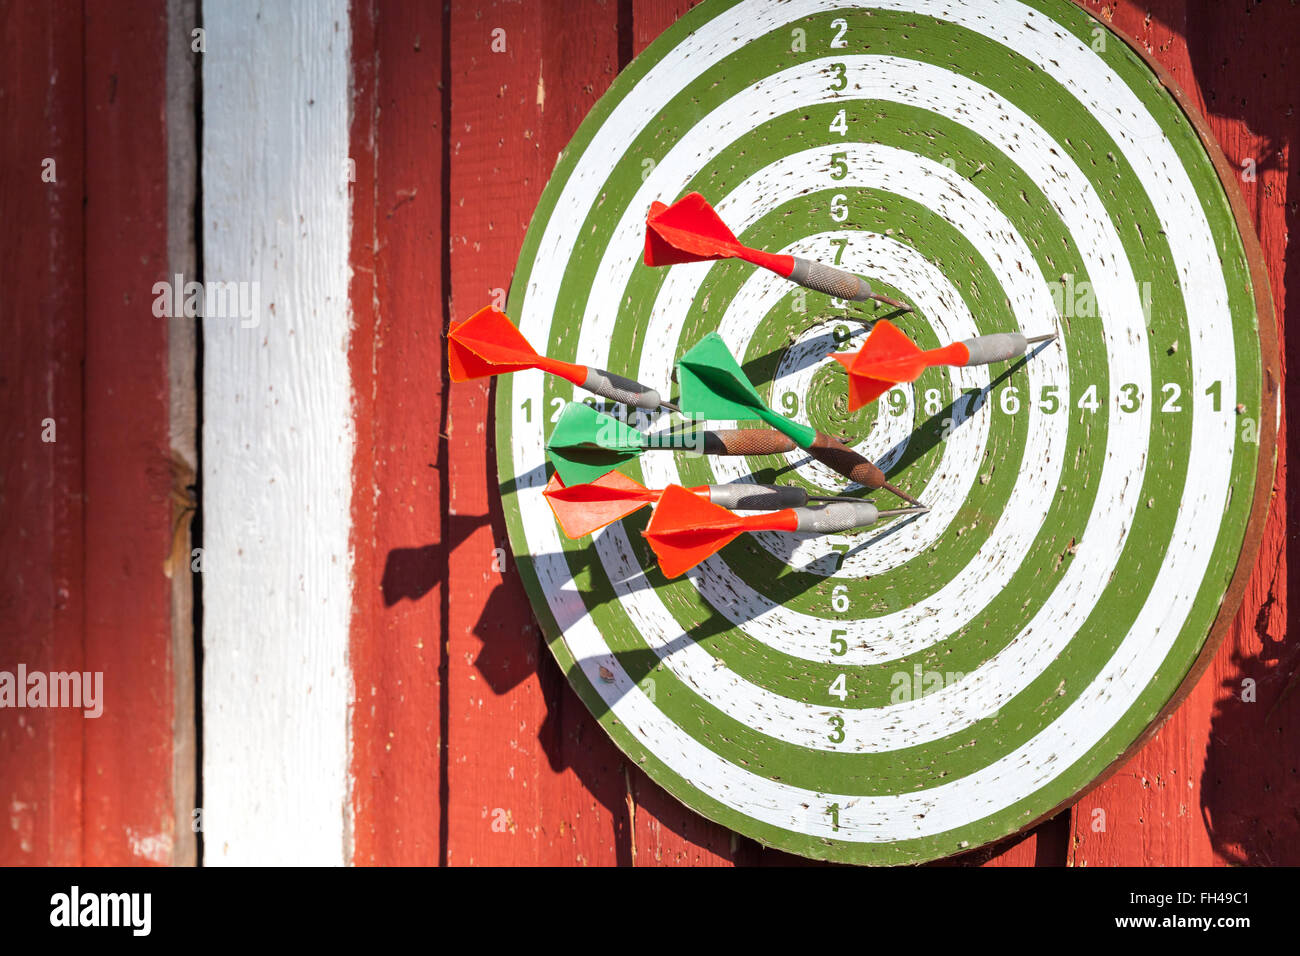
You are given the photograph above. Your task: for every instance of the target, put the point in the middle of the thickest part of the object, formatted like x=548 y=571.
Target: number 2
x=838 y=42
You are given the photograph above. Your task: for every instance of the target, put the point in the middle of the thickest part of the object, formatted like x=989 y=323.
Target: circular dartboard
x=925 y=686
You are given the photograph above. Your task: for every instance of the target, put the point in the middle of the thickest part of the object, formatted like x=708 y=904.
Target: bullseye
x=770 y=185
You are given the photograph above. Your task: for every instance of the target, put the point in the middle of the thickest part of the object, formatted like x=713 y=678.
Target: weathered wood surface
x=86 y=518
x=1215 y=785
x=459 y=740
x=278 y=438
x=520 y=748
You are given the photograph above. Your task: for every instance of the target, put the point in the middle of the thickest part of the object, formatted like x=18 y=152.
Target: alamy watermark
x=208 y=300
x=82 y=690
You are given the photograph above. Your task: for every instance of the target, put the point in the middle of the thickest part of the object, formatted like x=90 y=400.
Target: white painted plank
x=277 y=435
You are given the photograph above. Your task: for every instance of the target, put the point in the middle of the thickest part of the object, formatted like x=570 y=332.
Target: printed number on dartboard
x=1051 y=399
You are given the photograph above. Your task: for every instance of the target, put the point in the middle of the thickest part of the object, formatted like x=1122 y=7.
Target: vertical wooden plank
x=128 y=812
x=182 y=366
x=531 y=777
x=1217 y=784
x=278 y=436
x=41 y=570
x=397 y=368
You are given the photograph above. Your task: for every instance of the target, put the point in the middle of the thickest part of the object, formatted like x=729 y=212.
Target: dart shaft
x=837 y=456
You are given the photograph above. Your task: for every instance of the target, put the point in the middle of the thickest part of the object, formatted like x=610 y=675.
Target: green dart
x=713 y=385
x=586 y=444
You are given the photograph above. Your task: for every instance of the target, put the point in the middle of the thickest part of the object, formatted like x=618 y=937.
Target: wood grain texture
x=129 y=814
x=41 y=510
x=531 y=777
x=278 y=440
x=87 y=509
x=399 y=526
x=1217 y=784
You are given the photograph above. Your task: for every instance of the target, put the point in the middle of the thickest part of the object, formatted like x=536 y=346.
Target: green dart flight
x=586 y=444
x=713 y=385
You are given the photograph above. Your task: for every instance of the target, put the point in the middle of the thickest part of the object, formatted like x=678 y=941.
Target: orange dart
x=690 y=230
x=685 y=528
x=888 y=358
x=584 y=509
x=487 y=343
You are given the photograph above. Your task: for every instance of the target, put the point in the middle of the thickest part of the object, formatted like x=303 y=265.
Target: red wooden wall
x=463 y=719
x=85 y=520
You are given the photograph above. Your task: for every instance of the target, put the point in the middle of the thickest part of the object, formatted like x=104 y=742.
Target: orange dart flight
x=584 y=509
x=685 y=529
x=487 y=343
x=690 y=230
x=888 y=358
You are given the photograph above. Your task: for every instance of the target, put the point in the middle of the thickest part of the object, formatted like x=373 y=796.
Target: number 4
x=840 y=124
x=839 y=688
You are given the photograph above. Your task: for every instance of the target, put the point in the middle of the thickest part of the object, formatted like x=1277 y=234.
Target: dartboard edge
x=645 y=654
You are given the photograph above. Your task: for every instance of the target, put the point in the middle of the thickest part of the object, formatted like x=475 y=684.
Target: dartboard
x=925 y=686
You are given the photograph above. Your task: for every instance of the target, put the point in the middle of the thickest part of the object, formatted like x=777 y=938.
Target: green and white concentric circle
x=916 y=689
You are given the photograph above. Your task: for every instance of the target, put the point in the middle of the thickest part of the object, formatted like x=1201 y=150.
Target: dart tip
x=1040 y=338
x=906 y=497
x=892 y=303
x=897 y=512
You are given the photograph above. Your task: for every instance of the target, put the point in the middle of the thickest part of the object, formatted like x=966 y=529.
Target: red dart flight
x=888 y=358
x=487 y=343
x=584 y=509
x=691 y=231
x=685 y=529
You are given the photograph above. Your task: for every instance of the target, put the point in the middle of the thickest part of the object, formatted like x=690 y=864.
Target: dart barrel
x=746 y=441
x=828 y=279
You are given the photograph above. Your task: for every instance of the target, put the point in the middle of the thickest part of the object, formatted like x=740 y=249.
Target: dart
x=586 y=444
x=714 y=385
x=488 y=343
x=690 y=230
x=685 y=528
x=584 y=509
x=888 y=357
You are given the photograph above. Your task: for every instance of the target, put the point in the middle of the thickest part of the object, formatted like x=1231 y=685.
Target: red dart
x=487 y=343
x=690 y=230
x=888 y=358
x=584 y=509
x=685 y=529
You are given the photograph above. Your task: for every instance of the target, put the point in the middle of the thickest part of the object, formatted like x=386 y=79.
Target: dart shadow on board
x=961 y=410
x=761 y=370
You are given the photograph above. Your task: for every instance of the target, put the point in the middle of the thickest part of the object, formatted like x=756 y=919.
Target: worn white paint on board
x=277 y=435
x=996 y=786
